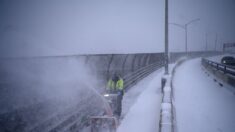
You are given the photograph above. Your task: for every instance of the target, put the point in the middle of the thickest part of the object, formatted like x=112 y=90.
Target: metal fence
x=223 y=72
x=226 y=69
x=108 y=64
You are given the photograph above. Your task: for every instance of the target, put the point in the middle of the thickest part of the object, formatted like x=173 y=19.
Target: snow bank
x=166 y=106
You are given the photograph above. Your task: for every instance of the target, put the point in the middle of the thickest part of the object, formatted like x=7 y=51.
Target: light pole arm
x=198 y=19
x=178 y=25
x=185 y=27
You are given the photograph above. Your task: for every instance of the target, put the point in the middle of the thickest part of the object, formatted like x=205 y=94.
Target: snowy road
x=201 y=104
x=141 y=105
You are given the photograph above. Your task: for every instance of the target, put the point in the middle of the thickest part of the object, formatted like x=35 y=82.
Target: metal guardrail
x=220 y=67
x=222 y=72
x=131 y=78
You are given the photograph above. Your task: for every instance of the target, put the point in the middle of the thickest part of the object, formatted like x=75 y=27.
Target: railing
x=220 y=67
x=132 y=78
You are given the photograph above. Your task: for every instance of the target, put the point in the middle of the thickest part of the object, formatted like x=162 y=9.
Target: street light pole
x=206 y=42
x=186 y=30
x=216 y=37
x=166 y=38
x=186 y=39
x=185 y=27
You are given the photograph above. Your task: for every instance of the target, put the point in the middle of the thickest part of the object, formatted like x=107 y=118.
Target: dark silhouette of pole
x=166 y=38
x=206 y=42
x=186 y=39
x=186 y=32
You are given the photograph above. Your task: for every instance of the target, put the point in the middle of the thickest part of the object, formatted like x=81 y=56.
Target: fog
x=37 y=91
x=44 y=86
x=47 y=78
x=216 y=17
x=35 y=28
x=78 y=27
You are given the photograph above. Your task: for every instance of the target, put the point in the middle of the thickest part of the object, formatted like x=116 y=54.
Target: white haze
x=35 y=28
x=34 y=81
x=79 y=27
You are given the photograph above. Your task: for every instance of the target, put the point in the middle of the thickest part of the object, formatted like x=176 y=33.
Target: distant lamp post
x=216 y=39
x=185 y=27
x=206 y=42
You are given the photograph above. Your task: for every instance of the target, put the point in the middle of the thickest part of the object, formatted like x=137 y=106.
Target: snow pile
x=201 y=104
x=166 y=118
x=166 y=107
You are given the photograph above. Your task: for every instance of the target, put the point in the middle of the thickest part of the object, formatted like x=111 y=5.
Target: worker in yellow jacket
x=120 y=91
x=110 y=86
x=120 y=84
x=116 y=85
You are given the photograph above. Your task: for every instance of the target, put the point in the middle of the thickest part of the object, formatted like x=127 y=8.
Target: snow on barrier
x=166 y=121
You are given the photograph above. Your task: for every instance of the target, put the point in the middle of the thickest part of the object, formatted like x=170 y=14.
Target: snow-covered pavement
x=201 y=104
x=141 y=105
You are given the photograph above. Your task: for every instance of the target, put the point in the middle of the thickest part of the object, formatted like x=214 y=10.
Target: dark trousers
x=119 y=103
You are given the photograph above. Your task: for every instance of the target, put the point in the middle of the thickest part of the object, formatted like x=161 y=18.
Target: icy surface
x=144 y=114
x=201 y=104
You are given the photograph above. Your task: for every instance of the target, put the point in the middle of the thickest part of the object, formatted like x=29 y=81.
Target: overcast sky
x=53 y=27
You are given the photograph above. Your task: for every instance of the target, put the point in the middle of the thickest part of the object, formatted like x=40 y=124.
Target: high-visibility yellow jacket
x=120 y=84
x=110 y=85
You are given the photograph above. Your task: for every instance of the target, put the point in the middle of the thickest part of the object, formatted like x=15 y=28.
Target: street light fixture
x=185 y=27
